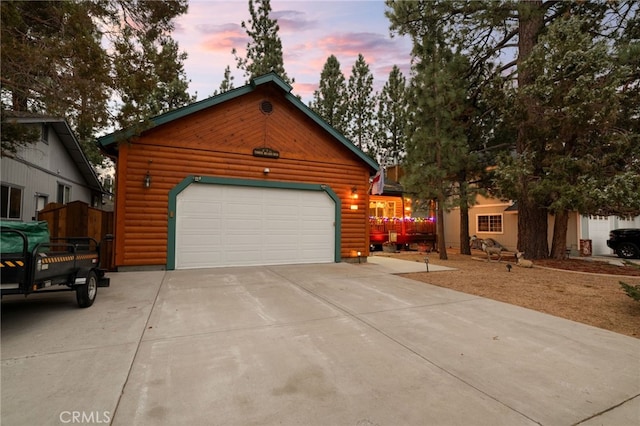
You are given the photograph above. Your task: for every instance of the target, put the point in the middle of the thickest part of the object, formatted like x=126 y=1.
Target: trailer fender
x=81 y=277
x=102 y=280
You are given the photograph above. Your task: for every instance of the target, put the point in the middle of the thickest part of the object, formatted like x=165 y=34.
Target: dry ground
x=594 y=297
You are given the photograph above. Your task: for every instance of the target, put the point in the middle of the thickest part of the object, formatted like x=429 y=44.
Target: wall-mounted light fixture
x=266 y=171
x=147 y=178
x=354 y=197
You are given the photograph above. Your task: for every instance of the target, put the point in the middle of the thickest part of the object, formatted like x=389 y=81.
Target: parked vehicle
x=31 y=262
x=625 y=242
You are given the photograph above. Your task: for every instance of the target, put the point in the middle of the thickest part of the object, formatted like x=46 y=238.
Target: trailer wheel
x=86 y=293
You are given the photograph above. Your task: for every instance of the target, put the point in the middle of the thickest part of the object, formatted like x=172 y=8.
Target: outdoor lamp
x=147 y=180
x=354 y=197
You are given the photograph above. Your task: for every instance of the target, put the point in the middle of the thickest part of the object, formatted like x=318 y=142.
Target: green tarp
x=36 y=232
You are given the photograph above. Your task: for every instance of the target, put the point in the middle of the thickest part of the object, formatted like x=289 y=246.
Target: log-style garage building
x=249 y=177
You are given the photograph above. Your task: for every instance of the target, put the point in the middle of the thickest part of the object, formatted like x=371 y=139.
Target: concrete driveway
x=331 y=344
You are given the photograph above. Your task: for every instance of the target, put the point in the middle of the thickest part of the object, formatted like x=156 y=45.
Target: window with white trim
x=489 y=223
x=64 y=193
x=11 y=202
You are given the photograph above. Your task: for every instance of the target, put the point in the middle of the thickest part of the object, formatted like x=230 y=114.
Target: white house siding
x=597 y=228
x=37 y=169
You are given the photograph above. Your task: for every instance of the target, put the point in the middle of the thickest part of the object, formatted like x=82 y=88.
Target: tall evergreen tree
x=227 y=82
x=458 y=173
x=52 y=63
x=330 y=100
x=436 y=142
x=361 y=106
x=143 y=94
x=577 y=93
x=69 y=58
x=264 y=51
x=391 y=118
x=485 y=31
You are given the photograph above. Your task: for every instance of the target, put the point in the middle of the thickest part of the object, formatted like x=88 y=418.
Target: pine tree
x=146 y=95
x=577 y=92
x=264 y=51
x=227 y=82
x=361 y=105
x=486 y=31
x=436 y=144
x=391 y=118
x=330 y=100
x=52 y=63
x=69 y=58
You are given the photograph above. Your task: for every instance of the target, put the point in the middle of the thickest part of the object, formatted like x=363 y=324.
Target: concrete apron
x=331 y=344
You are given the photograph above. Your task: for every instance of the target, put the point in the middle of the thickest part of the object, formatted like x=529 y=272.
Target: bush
x=633 y=291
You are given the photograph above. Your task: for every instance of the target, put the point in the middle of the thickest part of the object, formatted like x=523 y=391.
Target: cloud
x=369 y=44
x=293 y=21
x=305 y=90
x=179 y=28
x=222 y=37
x=215 y=29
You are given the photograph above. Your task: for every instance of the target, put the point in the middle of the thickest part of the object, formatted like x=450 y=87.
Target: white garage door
x=227 y=225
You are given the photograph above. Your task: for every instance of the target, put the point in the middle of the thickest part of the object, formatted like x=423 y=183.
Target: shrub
x=633 y=291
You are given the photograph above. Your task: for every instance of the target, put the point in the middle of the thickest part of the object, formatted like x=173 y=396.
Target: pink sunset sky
x=310 y=32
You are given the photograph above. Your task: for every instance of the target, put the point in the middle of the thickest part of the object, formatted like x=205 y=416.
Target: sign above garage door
x=216 y=222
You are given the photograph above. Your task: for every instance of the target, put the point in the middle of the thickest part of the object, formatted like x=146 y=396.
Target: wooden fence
x=77 y=219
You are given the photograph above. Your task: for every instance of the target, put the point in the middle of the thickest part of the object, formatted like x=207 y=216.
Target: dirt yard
x=585 y=291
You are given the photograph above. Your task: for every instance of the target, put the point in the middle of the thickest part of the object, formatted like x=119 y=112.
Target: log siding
x=219 y=142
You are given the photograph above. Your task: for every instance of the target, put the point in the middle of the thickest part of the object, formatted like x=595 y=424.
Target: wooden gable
x=239 y=126
x=218 y=139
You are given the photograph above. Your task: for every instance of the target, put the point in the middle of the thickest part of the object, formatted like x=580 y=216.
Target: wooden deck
x=405 y=231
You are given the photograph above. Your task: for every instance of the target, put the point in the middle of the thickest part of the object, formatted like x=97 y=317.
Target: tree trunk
x=532 y=229
x=465 y=245
x=442 y=244
x=560 y=226
x=532 y=217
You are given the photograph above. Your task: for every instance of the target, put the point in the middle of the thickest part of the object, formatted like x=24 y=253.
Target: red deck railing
x=407 y=231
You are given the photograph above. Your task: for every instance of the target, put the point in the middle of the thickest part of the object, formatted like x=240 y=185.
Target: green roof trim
x=271 y=78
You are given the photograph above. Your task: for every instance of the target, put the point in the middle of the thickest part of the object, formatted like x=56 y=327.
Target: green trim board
x=107 y=141
x=211 y=180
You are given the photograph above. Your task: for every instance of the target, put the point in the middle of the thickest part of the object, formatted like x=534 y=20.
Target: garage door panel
x=227 y=225
x=277 y=212
x=240 y=225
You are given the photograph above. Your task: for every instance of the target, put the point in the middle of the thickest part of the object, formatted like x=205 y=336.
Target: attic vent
x=266 y=107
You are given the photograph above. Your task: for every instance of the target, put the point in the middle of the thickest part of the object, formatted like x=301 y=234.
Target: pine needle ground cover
x=579 y=290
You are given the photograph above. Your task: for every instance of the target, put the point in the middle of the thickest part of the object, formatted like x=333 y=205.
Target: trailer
x=31 y=263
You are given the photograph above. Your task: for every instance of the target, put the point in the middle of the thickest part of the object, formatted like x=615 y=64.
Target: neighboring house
x=597 y=228
x=248 y=177
x=497 y=219
x=52 y=169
